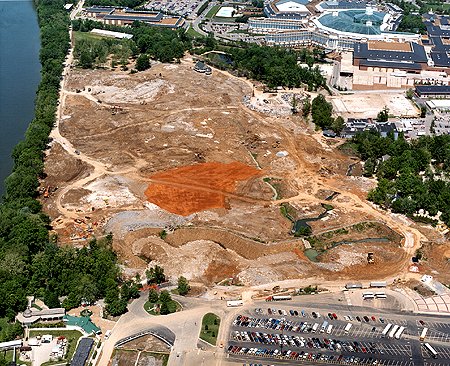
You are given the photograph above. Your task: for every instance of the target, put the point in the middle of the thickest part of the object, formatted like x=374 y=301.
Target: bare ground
x=118 y=133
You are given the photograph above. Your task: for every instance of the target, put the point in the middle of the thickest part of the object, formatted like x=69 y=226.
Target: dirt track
x=169 y=141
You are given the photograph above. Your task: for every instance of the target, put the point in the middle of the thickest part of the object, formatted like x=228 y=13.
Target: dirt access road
x=119 y=147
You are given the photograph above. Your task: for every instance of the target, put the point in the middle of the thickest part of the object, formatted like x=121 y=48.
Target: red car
x=374 y=319
x=334 y=316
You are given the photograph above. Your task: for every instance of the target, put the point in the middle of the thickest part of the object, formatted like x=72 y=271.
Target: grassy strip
x=212 y=11
x=193 y=33
x=210 y=328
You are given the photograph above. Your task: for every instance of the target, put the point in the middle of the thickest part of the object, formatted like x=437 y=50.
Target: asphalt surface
x=407 y=350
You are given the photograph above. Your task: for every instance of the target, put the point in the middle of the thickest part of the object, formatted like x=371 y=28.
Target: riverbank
x=19 y=74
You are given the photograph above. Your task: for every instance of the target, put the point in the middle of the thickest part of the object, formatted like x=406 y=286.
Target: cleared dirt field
x=172 y=150
x=195 y=188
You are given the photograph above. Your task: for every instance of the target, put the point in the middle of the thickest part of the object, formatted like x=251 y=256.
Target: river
x=19 y=75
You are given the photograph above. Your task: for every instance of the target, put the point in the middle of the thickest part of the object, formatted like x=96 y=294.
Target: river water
x=19 y=75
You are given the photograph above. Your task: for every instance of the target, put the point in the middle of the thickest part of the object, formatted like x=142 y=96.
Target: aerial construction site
x=194 y=173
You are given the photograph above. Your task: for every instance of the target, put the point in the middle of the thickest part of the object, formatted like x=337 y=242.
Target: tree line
x=162 y=44
x=31 y=262
x=411 y=176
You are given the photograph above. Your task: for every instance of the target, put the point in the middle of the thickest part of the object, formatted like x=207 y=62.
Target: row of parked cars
x=297 y=341
x=315 y=315
x=293 y=355
x=274 y=323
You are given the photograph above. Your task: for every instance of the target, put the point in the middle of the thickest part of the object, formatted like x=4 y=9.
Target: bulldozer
x=370 y=258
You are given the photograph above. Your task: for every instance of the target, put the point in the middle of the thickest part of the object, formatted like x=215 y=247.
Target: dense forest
x=275 y=67
x=412 y=176
x=31 y=263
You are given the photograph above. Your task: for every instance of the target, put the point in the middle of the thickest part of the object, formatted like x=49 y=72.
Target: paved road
x=185 y=324
x=196 y=23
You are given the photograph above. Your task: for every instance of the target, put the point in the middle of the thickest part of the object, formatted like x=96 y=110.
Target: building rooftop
x=82 y=353
x=32 y=315
x=343 y=4
x=354 y=21
x=416 y=55
x=83 y=322
x=433 y=89
x=292 y=5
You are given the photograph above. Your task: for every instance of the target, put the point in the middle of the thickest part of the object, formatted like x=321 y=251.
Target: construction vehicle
x=370 y=258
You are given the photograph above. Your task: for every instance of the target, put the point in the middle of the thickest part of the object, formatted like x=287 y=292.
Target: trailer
x=386 y=330
x=431 y=350
x=347 y=328
x=279 y=298
x=423 y=334
x=378 y=284
x=393 y=331
x=234 y=303
x=399 y=332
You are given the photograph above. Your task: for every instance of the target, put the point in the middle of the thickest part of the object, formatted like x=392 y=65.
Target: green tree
x=306 y=109
x=183 y=286
x=155 y=275
x=153 y=295
x=338 y=125
x=142 y=62
x=321 y=112
x=165 y=297
x=116 y=307
x=51 y=299
x=164 y=310
x=86 y=59
x=383 y=115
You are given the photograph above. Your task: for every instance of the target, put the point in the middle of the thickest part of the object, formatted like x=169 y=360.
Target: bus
x=324 y=326
x=347 y=328
x=330 y=328
x=393 y=331
x=423 y=334
x=368 y=296
x=380 y=295
x=399 y=332
x=431 y=350
x=386 y=330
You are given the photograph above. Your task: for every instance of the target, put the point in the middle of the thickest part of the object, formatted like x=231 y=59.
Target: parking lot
x=179 y=7
x=284 y=335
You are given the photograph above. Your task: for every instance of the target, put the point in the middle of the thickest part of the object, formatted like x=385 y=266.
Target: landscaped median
x=161 y=303
x=210 y=328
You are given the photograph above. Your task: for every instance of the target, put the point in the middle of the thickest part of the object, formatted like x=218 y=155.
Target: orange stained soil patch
x=194 y=188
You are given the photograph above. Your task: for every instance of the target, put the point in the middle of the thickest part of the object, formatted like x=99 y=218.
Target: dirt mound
x=246 y=248
x=198 y=187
